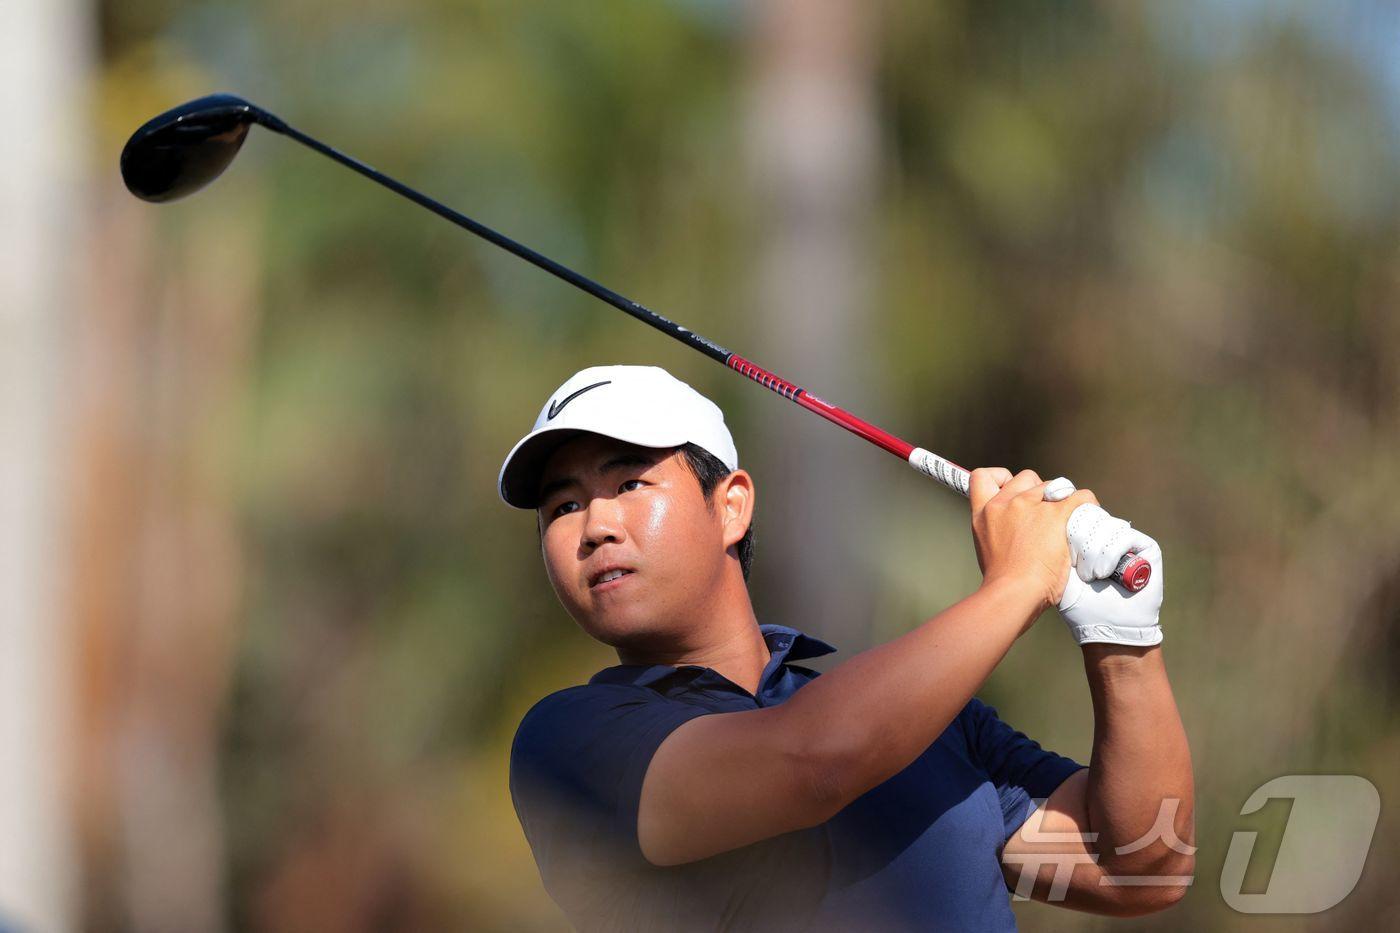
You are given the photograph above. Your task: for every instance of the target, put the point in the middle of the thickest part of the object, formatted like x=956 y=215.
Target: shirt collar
x=784 y=644
x=792 y=644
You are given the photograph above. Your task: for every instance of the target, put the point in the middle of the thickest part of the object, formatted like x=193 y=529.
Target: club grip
x=1133 y=572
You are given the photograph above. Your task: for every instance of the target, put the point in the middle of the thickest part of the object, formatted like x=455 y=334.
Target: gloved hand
x=1094 y=607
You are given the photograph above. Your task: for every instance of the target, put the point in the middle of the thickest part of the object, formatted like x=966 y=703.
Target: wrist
x=1022 y=596
x=1120 y=661
x=1123 y=671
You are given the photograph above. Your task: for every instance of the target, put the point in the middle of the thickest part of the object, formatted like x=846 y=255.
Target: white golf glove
x=1095 y=608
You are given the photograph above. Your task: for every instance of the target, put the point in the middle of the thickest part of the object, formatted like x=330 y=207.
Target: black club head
x=185 y=148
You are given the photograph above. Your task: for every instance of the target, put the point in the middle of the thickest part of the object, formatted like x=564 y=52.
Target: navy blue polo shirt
x=918 y=852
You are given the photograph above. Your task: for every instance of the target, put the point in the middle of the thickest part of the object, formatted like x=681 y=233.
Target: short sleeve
x=578 y=761
x=1019 y=768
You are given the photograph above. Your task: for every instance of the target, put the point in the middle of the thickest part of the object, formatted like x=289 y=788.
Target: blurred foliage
x=1151 y=247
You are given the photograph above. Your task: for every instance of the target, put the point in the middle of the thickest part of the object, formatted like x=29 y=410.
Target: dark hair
x=709 y=470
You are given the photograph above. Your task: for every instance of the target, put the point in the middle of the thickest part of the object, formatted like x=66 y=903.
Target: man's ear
x=736 y=500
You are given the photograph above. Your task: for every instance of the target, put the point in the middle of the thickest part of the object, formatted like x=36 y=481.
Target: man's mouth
x=609 y=575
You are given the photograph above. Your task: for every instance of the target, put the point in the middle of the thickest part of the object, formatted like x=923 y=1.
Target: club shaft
x=943 y=471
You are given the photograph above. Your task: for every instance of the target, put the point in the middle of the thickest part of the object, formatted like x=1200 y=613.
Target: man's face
x=630 y=545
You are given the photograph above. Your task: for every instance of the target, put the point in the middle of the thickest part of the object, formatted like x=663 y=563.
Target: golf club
x=185 y=148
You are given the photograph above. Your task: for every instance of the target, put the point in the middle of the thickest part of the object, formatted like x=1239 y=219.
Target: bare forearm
x=867 y=719
x=1141 y=766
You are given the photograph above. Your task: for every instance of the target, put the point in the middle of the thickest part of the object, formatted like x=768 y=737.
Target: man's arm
x=726 y=780
x=1137 y=798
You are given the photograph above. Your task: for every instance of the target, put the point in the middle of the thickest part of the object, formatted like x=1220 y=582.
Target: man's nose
x=604 y=523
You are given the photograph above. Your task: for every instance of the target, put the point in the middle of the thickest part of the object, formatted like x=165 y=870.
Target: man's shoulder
x=568 y=714
x=979 y=723
x=968 y=726
x=581 y=699
x=976 y=710
x=591 y=745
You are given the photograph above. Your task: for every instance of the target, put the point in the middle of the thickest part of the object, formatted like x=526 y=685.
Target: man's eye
x=563 y=508
x=629 y=485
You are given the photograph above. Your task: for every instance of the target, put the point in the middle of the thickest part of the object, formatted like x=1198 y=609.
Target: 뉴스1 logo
x=1315 y=860
x=556 y=407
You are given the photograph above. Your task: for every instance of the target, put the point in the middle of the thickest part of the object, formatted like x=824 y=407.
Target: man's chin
x=632 y=631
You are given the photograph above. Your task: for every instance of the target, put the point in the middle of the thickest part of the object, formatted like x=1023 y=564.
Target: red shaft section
x=900 y=448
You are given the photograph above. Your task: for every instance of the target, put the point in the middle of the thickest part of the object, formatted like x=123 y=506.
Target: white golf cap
x=643 y=405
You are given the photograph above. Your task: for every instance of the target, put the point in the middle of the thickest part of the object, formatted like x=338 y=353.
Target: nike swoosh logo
x=556 y=407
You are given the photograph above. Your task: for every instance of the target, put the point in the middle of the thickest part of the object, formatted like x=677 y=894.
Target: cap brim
x=519 y=481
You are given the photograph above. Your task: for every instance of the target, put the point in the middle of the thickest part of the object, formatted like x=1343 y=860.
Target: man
x=709 y=782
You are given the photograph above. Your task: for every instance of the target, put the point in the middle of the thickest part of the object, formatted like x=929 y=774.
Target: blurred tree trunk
x=165 y=365
x=44 y=61
x=813 y=146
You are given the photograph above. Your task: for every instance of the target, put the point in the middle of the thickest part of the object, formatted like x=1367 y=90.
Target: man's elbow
x=1173 y=876
x=1144 y=901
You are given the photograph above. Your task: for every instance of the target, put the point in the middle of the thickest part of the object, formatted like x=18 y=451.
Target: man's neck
x=726 y=639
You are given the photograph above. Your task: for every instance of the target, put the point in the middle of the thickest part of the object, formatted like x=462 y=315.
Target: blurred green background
x=1152 y=247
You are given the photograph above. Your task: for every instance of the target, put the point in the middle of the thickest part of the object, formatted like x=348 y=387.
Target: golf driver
x=185 y=148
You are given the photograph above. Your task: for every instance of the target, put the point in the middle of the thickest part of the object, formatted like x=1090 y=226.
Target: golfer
x=708 y=781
